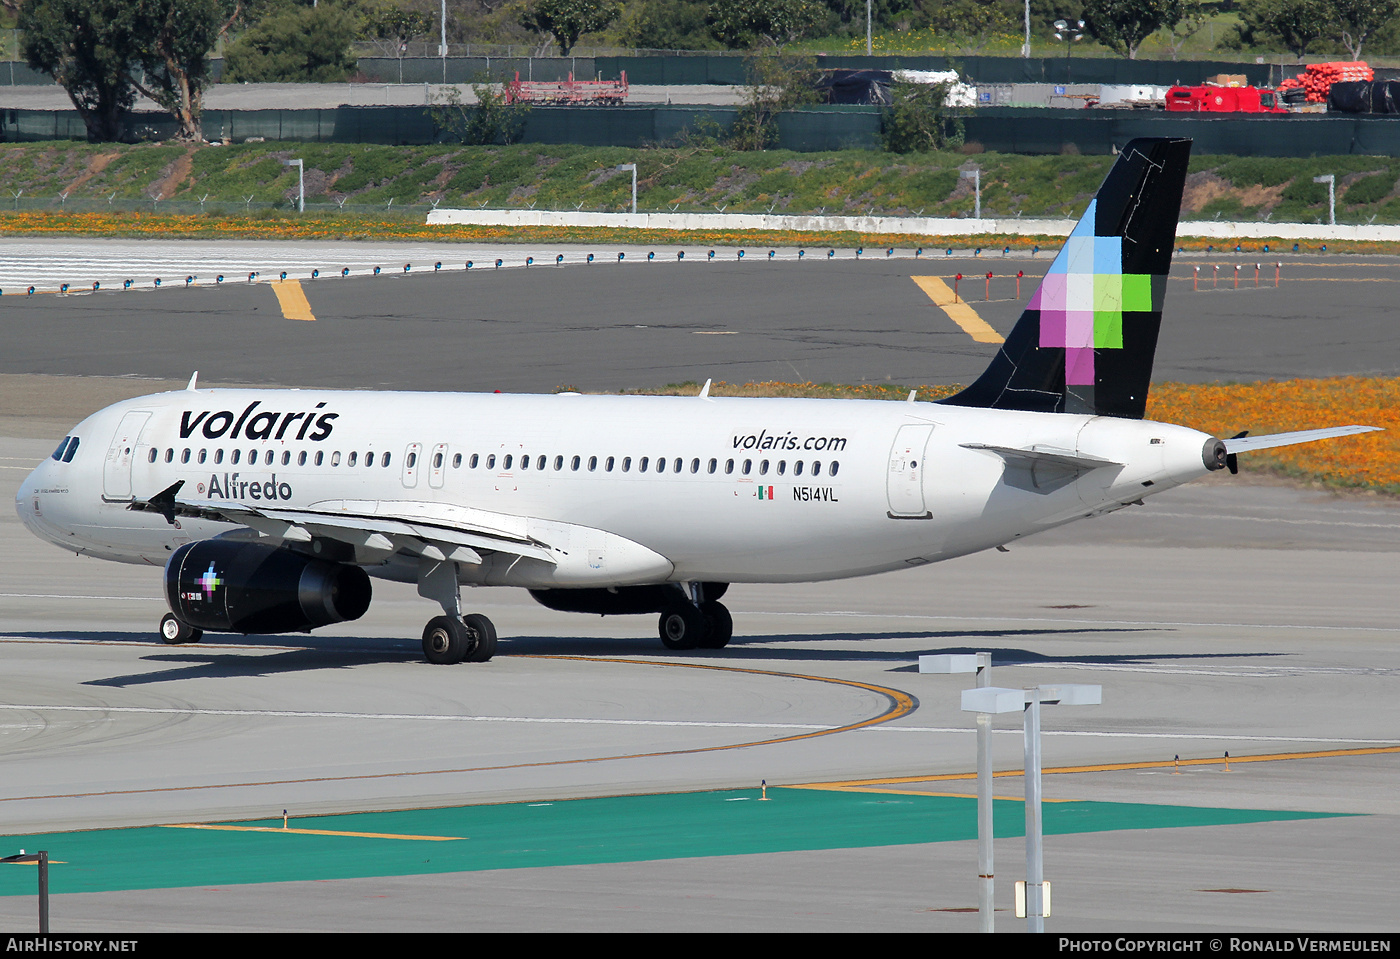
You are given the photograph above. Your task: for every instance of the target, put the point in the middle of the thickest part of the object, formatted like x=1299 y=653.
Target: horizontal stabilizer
x=1049 y=456
x=1246 y=444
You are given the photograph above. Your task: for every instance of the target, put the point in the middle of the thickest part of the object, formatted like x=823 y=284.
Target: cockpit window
x=72 y=448
x=63 y=444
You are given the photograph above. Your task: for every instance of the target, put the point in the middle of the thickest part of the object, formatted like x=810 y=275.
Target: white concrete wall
x=917 y=226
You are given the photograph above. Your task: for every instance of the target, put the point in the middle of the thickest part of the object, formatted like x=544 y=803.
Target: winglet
x=194 y=376
x=162 y=503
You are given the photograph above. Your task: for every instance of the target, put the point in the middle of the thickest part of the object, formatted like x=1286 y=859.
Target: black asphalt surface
x=607 y=327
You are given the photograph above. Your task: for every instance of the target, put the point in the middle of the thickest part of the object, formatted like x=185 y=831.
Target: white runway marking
x=698 y=724
x=1164 y=624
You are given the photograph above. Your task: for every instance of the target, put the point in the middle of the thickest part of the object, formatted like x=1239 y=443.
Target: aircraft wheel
x=682 y=627
x=721 y=626
x=175 y=633
x=483 y=631
x=445 y=640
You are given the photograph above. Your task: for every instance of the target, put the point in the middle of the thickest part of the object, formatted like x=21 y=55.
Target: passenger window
x=252 y=457
x=834 y=467
x=301 y=458
x=169 y=455
x=763 y=468
x=384 y=462
x=437 y=461
x=816 y=467
x=286 y=457
x=608 y=464
x=474 y=460
x=185 y=456
x=558 y=463
x=592 y=463
x=797 y=468
x=491 y=461
x=524 y=462
x=218 y=456
x=505 y=463
x=713 y=464
x=695 y=465
x=203 y=455
x=233 y=457
x=154 y=451
x=676 y=466
x=320 y=456
x=661 y=464
x=573 y=464
x=456 y=461
x=782 y=467
x=350 y=460
x=412 y=460
x=626 y=463
x=642 y=464
x=748 y=465
x=268 y=458
x=335 y=458
x=369 y=459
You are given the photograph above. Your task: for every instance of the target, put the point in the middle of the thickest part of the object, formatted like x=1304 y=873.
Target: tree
x=295 y=44
x=389 y=22
x=969 y=24
x=88 y=47
x=490 y=121
x=1185 y=19
x=739 y=24
x=174 y=61
x=567 y=20
x=918 y=121
x=1122 y=25
x=1296 y=24
x=777 y=82
x=1358 y=19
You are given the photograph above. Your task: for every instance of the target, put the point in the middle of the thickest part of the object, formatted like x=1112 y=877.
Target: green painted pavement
x=515 y=836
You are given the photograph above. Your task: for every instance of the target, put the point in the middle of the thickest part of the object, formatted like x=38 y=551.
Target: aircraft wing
x=434 y=534
x=1245 y=444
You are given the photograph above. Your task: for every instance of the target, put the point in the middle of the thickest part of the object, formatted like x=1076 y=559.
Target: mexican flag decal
x=765 y=492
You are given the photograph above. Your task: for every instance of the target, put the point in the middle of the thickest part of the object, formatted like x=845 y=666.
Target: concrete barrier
x=915 y=226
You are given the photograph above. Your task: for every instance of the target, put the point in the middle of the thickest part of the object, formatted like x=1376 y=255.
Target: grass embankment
x=359 y=190
x=1368 y=462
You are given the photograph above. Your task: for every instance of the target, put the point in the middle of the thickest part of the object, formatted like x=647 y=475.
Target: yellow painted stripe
x=958 y=311
x=292 y=300
x=313 y=832
x=912 y=792
x=864 y=784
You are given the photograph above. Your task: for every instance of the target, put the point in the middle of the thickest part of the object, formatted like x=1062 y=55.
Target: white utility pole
x=301 y=183
x=1331 y=182
x=633 y=168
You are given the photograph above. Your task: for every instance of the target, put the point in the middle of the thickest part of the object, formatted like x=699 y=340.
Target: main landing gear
x=448 y=640
x=702 y=623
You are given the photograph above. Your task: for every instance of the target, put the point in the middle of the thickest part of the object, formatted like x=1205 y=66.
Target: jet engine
x=240 y=587
x=621 y=600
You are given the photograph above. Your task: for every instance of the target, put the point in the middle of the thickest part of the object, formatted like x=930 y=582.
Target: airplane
x=270 y=510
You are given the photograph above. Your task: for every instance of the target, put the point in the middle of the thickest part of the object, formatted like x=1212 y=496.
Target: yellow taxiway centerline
x=292 y=300
x=958 y=311
x=312 y=832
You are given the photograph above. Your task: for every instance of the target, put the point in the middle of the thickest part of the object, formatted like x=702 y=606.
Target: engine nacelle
x=232 y=587
x=623 y=600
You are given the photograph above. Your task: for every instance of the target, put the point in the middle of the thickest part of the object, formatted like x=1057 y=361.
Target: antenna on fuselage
x=705 y=390
x=194 y=376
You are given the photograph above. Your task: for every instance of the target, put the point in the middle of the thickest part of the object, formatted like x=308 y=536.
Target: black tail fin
x=1086 y=340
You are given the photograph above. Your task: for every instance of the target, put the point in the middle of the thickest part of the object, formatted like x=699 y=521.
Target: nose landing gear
x=175 y=633
x=702 y=623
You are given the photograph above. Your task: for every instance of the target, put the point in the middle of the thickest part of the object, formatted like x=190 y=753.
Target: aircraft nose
x=27 y=499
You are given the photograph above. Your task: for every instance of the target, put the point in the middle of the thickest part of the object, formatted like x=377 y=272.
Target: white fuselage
x=750 y=490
